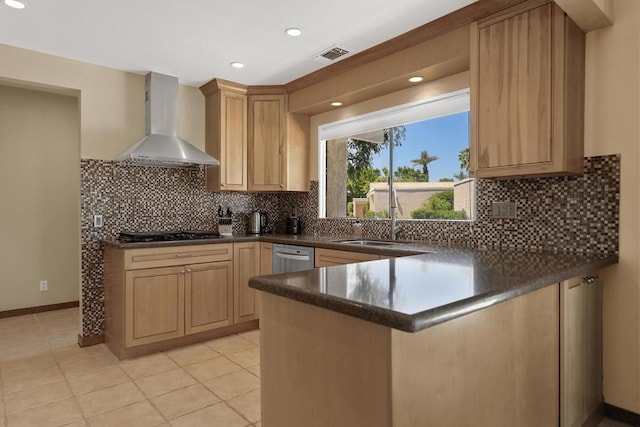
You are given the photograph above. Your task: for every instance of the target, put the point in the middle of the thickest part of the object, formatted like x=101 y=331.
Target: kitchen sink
x=366 y=242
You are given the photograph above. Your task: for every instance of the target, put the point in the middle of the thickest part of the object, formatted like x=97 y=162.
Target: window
x=412 y=160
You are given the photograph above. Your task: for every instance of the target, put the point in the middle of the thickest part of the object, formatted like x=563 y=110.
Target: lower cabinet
x=157 y=294
x=154 y=305
x=331 y=257
x=246 y=264
x=580 y=349
x=266 y=258
x=208 y=296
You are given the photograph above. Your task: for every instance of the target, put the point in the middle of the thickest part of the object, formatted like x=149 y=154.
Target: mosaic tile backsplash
x=569 y=214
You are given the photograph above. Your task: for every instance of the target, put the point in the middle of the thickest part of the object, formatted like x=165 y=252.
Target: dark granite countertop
x=415 y=292
x=114 y=243
x=328 y=242
x=428 y=285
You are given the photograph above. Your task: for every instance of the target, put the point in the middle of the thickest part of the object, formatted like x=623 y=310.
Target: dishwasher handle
x=291 y=256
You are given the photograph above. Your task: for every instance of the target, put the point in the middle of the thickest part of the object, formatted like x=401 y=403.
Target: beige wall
x=40 y=192
x=612 y=126
x=112 y=102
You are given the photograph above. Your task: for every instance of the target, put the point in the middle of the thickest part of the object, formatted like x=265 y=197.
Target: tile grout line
x=221 y=400
x=66 y=380
x=142 y=393
x=211 y=391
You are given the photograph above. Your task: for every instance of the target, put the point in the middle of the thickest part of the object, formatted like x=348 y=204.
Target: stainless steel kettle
x=257 y=222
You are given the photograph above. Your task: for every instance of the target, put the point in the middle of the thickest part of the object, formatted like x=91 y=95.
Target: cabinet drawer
x=331 y=257
x=176 y=255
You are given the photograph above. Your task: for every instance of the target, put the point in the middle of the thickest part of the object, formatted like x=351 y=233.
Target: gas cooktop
x=167 y=236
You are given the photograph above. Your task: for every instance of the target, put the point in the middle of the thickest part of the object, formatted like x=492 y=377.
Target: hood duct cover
x=162 y=146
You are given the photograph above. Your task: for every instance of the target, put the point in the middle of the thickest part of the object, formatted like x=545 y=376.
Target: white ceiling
x=197 y=39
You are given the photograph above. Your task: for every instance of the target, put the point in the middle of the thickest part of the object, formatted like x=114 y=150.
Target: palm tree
x=463 y=156
x=424 y=161
x=461 y=175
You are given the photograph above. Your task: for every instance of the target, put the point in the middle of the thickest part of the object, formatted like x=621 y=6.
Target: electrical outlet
x=503 y=210
x=98 y=221
x=44 y=286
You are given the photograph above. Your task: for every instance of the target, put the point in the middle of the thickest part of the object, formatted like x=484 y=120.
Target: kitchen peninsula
x=461 y=336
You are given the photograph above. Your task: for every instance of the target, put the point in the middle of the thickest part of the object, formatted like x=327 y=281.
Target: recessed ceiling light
x=336 y=103
x=416 y=79
x=293 y=32
x=15 y=4
x=237 y=65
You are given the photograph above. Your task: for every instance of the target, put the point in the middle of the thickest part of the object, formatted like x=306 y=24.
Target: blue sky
x=443 y=137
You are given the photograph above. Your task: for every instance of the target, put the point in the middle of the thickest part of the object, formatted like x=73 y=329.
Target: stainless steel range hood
x=162 y=146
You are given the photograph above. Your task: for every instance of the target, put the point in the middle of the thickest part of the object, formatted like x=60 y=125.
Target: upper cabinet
x=260 y=146
x=527 y=93
x=226 y=134
x=267 y=145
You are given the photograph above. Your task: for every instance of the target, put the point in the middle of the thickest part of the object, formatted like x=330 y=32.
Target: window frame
x=452 y=102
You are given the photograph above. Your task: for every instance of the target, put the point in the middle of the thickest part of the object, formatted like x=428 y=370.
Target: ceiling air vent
x=330 y=54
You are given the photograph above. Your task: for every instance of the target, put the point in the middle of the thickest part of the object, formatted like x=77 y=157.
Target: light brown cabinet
x=267 y=149
x=527 y=93
x=260 y=146
x=331 y=257
x=153 y=295
x=208 y=296
x=246 y=264
x=226 y=134
x=266 y=258
x=154 y=305
x=580 y=350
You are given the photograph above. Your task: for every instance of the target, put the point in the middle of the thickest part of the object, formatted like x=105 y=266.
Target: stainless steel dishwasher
x=287 y=258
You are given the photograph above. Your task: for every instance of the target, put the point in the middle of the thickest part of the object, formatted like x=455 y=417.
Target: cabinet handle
x=281 y=185
x=182 y=255
x=188 y=270
x=588 y=280
x=182 y=272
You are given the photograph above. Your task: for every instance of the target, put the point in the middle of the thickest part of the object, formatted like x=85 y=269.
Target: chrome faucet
x=395 y=228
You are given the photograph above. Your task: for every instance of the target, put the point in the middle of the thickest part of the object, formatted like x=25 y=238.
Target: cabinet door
x=527 y=92
x=226 y=139
x=572 y=344
x=593 y=350
x=208 y=296
x=514 y=99
x=580 y=351
x=331 y=257
x=266 y=258
x=267 y=150
x=154 y=305
x=233 y=161
x=246 y=264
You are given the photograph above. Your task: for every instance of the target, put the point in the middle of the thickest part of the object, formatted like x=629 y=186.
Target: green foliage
x=439 y=206
x=422 y=213
x=358 y=181
x=423 y=161
x=463 y=157
x=460 y=176
x=445 y=180
x=350 y=209
x=360 y=153
x=379 y=214
x=408 y=174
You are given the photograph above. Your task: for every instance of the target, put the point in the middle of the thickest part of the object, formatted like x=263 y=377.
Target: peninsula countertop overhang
x=419 y=291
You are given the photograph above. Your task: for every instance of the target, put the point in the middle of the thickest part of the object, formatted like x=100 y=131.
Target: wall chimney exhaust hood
x=162 y=146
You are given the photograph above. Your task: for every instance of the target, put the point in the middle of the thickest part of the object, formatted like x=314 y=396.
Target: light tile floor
x=47 y=380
